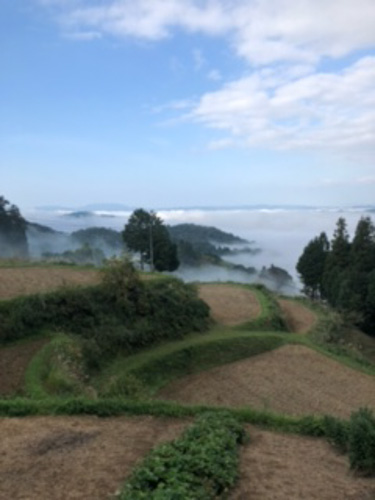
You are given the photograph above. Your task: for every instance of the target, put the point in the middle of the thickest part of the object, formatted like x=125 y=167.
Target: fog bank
x=280 y=233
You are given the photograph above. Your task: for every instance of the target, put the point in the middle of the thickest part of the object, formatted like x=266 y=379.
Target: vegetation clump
x=201 y=465
x=121 y=314
x=361 y=441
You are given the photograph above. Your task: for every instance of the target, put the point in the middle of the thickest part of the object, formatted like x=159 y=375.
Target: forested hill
x=194 y=233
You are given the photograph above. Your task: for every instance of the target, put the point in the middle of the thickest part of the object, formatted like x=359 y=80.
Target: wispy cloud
x=320 y=110
x=283 y=100
x=262 y=31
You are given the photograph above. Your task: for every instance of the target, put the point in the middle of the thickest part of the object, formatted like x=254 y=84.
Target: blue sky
x=163 y=103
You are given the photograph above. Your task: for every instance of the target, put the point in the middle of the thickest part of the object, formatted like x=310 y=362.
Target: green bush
x=201 y=464
x=362 y=441
x=121 y=314
x=337 y=432
x=124 y=385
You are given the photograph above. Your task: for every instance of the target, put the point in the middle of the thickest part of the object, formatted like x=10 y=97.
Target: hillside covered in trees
x=342 y=272
x=13 y=241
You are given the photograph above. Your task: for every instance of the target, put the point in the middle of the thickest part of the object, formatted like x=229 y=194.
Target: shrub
x=201 y=465
x=125 y=385
x=337 y=432
x=362 y=441
x=122 y=313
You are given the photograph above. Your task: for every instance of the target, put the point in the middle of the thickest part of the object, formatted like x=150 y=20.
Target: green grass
x=56 y=370
x=156 y=367
x=110 y=407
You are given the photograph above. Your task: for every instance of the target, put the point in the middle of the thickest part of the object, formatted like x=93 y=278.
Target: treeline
x=342 y=272
x=13 y=241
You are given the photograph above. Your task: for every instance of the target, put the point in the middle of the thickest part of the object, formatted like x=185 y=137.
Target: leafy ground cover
x=201 y=465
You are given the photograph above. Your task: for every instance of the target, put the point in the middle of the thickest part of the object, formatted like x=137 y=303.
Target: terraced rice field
x=28 y=280
x=293 y=379
x=13 y=363
x=87 y=457
x=68 y=458
x=229 y=304
x=282 y=467
x=298 y=318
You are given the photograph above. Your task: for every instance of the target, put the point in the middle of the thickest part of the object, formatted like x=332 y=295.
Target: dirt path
x=282 y=467
x=14 y=360
x=75 y=457
x=299 y=318
x=29 y=280
x=292 y=380
x=230 y=305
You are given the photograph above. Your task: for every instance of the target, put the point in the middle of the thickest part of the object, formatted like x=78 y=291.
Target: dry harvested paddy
x=13 y=364
x=229 y=304
x=283 y=467
x=298 y=318
x=75 y=457
x=292 y=380
x=28 y=280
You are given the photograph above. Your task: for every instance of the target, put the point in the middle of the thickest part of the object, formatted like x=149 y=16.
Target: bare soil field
x=291 y=380
x=229 y=304
x=28 y=280
x=14 y=360
x=284 y=467
x=298 y=318
x=75 y=457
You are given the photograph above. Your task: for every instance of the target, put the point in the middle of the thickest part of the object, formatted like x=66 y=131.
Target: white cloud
x=150 y=19
x=261 y=31
x=283 y=101
x=321 y=110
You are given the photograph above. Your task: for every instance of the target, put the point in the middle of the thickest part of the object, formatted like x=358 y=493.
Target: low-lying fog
x=281 y=234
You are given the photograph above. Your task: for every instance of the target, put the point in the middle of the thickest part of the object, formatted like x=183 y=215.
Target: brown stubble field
x=299 y=319
x=230 y=305
x=17 y=281
x=68 y=458
x=282 y=467
x=292 y=380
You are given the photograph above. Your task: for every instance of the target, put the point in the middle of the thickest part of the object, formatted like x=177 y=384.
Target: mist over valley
x=263 y=237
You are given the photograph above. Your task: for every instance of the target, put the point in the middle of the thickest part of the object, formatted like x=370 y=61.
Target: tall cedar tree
x=357 y=279
x=146 y=234
x=337 y=262
x=311 y=265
